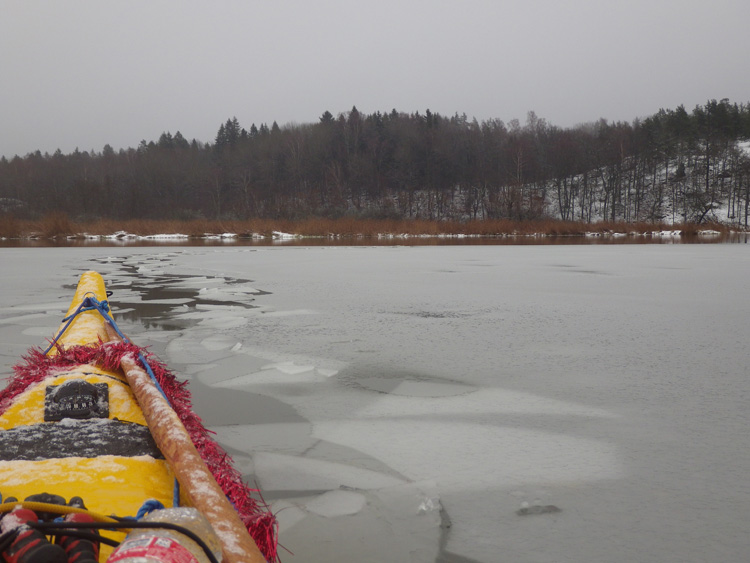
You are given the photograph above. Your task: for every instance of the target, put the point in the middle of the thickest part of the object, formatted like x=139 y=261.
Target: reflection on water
x=416 y=240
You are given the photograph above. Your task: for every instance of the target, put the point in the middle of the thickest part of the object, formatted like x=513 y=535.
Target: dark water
x=416 y=240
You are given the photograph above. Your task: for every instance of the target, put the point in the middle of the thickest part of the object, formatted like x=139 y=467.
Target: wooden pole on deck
x=195 y=478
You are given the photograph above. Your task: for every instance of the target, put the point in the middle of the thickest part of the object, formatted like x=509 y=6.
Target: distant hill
x=674 y=166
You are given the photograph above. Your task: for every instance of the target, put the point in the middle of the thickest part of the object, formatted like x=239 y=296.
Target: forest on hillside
x=674 y=166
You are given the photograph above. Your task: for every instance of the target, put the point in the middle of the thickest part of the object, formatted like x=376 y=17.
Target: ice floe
x=337 y=503
x=278 y=472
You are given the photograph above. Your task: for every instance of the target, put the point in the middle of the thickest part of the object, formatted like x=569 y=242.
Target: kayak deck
x=70 y=425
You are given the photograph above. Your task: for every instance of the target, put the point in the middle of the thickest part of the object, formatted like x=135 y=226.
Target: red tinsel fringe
x=255 y=514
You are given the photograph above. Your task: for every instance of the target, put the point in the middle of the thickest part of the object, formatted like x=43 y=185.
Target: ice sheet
x=277 y=472
x=461 y=456
x=608 y=382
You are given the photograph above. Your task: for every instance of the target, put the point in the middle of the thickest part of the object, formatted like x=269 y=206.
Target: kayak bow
x=97 y=417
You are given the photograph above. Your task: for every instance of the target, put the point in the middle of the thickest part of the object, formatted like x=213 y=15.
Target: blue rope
x=153 y=377
x=148 y=506
x=91 y=303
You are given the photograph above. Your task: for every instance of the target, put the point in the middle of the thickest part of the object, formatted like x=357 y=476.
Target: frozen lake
x=452 y=404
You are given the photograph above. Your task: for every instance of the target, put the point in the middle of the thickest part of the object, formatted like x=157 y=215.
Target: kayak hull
x=72 y=426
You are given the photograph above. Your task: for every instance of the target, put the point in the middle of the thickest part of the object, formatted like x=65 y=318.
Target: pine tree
x=221 y=137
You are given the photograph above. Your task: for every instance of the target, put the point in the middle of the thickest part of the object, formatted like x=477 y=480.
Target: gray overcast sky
x=87 y=73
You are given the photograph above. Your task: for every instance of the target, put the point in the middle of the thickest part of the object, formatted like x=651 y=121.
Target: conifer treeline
x=673 y=166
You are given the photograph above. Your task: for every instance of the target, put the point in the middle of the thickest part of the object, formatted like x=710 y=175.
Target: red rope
x=255 y=514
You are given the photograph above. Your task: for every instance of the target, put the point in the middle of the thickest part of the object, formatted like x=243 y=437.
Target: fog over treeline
x=674 y=166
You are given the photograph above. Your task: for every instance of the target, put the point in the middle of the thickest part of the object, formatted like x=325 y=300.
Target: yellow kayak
x=95 y=417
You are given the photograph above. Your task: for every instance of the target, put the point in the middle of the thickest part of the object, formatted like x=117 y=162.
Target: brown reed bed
x=58 y=225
